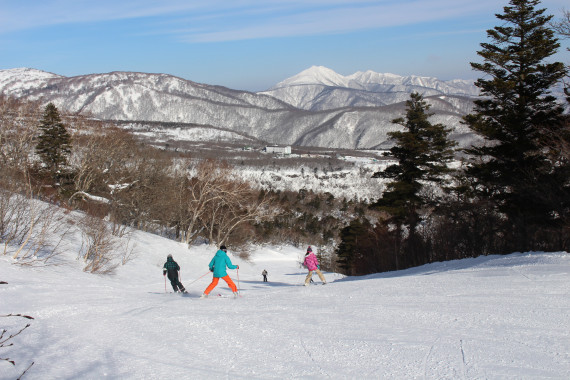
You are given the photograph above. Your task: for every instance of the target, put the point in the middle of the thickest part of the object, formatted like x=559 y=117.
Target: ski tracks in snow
x=442 y=353
x=463 y=365
x=426 y=358
x=321 y=370
x=518 y=272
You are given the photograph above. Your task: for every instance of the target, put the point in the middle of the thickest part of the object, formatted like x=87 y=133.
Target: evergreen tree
x=54 y=142
x=349 y=249
x=423 y=151
x=515 y=115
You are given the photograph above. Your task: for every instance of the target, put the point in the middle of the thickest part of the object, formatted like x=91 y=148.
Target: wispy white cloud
x=345 y=18
x=222 y=20
x=28 y=14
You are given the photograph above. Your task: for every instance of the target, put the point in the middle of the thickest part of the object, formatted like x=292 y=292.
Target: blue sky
x=246 y=44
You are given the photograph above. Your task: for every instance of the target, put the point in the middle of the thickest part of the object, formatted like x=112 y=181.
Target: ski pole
x=205 y=274
x=239 y=289
x=164 y=283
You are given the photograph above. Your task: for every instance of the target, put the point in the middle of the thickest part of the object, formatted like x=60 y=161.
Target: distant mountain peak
x=27 y=73
x=320 y=88
x=366 y=80
x=315 y=75
x=20 y=80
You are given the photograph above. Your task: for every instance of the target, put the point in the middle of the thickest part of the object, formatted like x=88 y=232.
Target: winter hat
x=169 y=256
x=223 y=247
x=309 y=249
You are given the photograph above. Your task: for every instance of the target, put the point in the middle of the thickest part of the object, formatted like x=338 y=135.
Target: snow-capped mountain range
x=317 y=107
x=320 y=88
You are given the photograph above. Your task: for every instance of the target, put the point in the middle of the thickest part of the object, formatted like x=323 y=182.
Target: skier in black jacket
x=171 y=268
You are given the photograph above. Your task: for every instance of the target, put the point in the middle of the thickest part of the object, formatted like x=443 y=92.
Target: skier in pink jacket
x=312 y=265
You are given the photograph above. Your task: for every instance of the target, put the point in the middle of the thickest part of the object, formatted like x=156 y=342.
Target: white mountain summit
x=320 y=88
x=319 y=75
x=361 y=80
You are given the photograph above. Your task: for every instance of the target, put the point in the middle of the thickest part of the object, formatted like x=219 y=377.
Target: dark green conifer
x=423 y=151
x=348 y=251
x=54 y=142
x=516 y=115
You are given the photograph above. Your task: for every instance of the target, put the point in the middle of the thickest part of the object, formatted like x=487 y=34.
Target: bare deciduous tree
x=205 y=189
x=99 y=248
x=31 y=229
x=17 y=133
x=562 y=26
x=100 y=157
x=237 y=204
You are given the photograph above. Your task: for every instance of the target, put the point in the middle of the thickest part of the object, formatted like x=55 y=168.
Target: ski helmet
x=169 y=256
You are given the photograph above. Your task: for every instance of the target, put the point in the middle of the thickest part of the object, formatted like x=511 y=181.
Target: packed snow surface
x=494 y=317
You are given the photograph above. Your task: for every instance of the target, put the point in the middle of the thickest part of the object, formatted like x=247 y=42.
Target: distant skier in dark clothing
x=264 y=274
x=171 y=268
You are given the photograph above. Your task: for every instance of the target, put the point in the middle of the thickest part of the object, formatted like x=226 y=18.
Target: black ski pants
x=176 y=285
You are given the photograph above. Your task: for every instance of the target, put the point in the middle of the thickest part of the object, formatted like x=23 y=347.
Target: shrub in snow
x=6 y=338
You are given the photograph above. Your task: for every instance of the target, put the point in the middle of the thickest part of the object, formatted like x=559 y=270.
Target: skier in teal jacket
x=218 y=265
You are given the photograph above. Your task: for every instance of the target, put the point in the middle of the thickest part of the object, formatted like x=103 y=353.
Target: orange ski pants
x=215 y=281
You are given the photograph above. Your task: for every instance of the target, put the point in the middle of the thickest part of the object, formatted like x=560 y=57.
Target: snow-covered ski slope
x=496 y=317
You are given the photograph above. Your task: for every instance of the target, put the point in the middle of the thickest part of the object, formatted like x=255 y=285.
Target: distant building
x=278 y=149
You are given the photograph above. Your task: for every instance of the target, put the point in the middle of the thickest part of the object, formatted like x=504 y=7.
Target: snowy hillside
x=319 y=88
x=340 y=119
x=19 y=81
x=496 y=317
